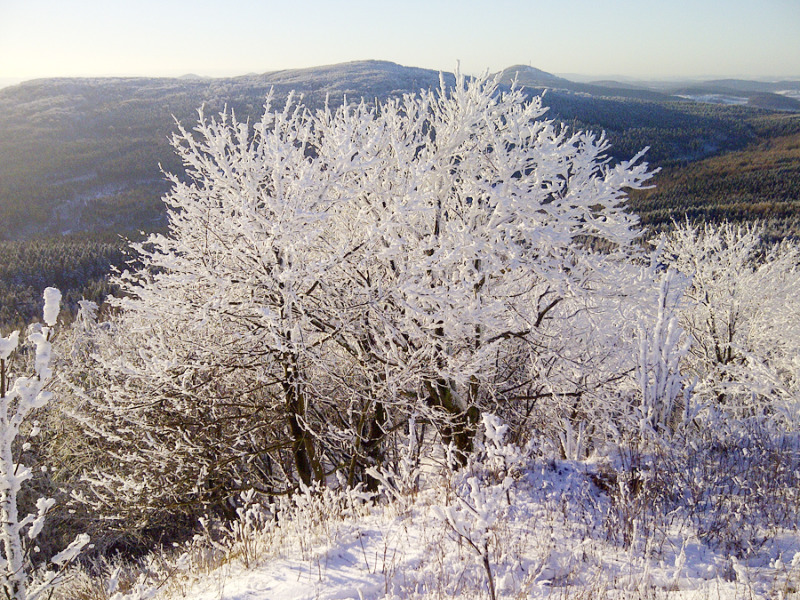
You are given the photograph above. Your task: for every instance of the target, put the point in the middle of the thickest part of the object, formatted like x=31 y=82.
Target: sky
x=645 y=39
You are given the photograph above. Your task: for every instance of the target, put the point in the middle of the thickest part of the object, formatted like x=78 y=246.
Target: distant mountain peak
x=527 y=75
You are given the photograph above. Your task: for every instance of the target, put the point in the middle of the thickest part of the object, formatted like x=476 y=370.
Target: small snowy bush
x=483 y=495
x=740 y=310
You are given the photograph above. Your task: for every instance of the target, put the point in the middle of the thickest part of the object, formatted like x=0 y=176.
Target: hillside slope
x=760 y=182
x=548 y=531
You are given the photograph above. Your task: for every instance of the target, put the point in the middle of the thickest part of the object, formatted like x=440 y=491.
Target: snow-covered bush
x=327 y=275
x=741 y=312
x=717 y=378
x=734 y=485
x=19 y=396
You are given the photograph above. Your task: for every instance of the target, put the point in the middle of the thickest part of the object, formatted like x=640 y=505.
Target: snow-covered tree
x=326 y=274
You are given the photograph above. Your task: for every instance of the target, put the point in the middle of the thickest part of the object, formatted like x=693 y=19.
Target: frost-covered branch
x=19 y=395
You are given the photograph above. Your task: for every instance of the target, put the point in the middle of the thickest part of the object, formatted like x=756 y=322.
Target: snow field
x=544 y=527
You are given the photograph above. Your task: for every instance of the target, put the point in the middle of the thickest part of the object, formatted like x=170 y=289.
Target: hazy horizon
x=576 y=77
x=639 y=40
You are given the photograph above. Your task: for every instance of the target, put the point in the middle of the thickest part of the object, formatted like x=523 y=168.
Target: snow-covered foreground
x=545 y=530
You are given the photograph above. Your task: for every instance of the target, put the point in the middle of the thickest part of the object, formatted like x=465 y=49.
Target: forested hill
x=85 y=155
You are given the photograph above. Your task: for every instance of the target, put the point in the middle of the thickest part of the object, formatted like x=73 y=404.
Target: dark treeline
x=78 y=266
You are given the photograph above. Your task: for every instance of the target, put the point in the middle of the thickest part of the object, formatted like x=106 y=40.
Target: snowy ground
x=547 y=531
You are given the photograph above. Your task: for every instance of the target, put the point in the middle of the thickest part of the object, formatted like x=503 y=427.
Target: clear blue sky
x=643 y=38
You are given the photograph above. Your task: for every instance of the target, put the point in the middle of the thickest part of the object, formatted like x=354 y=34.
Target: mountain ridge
x=87 y=154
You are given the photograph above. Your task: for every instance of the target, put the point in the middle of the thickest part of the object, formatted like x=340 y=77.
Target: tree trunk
x=373 y=446
x=461 y=425
x=305 y=460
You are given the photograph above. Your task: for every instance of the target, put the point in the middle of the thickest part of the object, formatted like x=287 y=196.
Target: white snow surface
x=551 y=541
